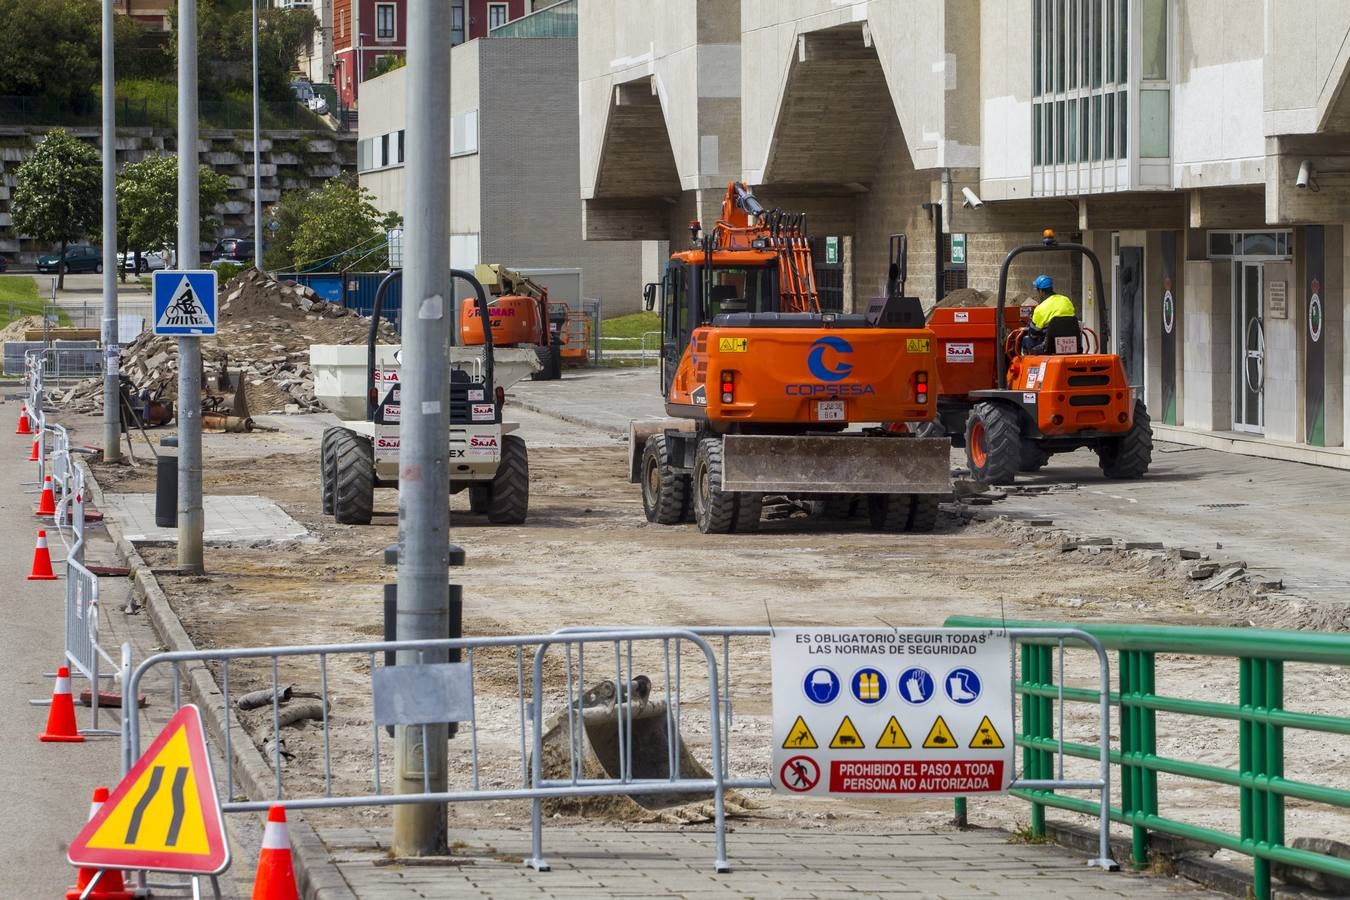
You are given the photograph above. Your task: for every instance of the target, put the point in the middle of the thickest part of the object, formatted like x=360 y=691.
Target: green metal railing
x=1260 y=714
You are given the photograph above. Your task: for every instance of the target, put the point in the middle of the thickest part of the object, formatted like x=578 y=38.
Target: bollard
x=166 y=485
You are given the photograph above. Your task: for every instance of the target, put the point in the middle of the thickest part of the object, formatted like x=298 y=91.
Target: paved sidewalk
x=659 y=862
x=229 y=518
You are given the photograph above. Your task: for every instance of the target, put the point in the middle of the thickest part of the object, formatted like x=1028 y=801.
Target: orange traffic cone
x=276 y=875
x=42 y=560
x=34 y=456
x=24 y=427
x=61 y=717
x=47 y=501
x=110 y=886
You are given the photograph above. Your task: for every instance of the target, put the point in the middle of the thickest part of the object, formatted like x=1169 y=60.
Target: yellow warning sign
x=164 y=815
x=846 y=737
x=800 y=737
x=916 y=345
x=939 y=736
x=733 y=345
x=893 y=737
x=986 y=737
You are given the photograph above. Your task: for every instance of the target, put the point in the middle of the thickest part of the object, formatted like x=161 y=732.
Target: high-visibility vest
x=1052 y=307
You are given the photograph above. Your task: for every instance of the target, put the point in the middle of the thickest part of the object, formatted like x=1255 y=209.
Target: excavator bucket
x=593 y=745
x=835 y=464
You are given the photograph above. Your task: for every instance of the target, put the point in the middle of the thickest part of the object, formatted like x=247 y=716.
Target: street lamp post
x=257 y=155
x=191 y=520
x=112 y=409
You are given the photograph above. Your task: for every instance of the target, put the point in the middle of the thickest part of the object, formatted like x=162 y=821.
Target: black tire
x=98 y=268
x=1129 y=455
x=328 y=469
x=993 y=438
x=354 y=478
x=839 y=506
x=1033 y=458
x=480 y=498
x=714 y=508
x=749 y=506
x=889 y=512
x=509 y=500
x=665 y=491
x=923 y=512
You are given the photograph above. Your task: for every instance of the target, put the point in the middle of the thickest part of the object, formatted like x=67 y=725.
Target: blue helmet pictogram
x=815 y=359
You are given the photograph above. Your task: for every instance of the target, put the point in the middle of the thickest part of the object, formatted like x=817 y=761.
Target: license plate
x=829 y=410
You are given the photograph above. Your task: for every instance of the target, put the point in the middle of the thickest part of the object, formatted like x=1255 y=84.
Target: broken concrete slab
x=1223 y=579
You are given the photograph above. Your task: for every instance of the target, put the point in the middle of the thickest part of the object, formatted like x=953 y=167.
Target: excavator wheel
x=890 y=512
x=665 y=492
x=1129 y=455
x=353 y=477
x=714 y=508
x=923 y=512
x=748 y=509
x=993 y=443
x=1033 y=457
x=509 y=496
x=327 y=468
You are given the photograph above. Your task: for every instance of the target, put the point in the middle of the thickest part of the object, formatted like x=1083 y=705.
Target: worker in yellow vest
x=1051 y=306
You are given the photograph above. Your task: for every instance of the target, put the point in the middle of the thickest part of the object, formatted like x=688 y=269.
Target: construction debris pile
x=264 y=332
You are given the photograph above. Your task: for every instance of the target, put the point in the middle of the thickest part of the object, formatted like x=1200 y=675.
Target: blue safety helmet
x=1043 y=283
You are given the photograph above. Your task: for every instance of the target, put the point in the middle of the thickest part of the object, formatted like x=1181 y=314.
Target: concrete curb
x=317 y=876
x=544 y=409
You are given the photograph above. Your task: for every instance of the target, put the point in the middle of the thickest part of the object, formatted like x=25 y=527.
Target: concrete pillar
x=1152 y=297
x=1207 y=357
x=1092 y=309
x=1283 y=403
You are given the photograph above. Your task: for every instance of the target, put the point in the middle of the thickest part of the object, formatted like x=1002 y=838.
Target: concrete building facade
x=515 y=195
x=1200 y=148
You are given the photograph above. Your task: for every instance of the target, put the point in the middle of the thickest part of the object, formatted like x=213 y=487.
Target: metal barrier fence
x=499 y=660
x=1260 y=712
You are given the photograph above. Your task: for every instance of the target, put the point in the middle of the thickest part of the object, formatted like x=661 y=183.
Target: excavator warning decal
x=733 y=345
x=916 y=345
x=925 y=711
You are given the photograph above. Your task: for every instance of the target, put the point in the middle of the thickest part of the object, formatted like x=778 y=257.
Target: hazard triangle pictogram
x=800 y=737
x=846 y=736
x=164 y=815
x=986 y=737
x=893 y=737
x=939 y=736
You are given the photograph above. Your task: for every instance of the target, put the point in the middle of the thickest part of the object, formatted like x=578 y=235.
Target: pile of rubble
x=265 y=329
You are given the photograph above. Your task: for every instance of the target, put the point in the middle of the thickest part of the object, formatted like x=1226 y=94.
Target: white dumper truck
x=361 y=385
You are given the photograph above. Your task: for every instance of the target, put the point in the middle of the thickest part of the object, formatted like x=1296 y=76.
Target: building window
x=385 y=28
x=385 y=158
x=497 y=15
x=400 y=146
x=456 y=22
x=464 y=133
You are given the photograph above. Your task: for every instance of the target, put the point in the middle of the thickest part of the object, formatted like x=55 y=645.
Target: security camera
x=972 y=200
x=1305 y=174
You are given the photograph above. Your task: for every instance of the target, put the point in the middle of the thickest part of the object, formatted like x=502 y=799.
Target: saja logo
x=815 y=359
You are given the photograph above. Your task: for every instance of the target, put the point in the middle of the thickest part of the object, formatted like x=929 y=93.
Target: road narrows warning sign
x=164 y=815
x=921 y=711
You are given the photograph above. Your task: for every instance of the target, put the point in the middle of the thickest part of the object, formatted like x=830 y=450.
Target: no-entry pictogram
x=800 y=774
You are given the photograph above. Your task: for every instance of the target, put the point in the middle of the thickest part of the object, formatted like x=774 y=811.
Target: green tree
x=58 y=194
x=335 y=226
x=147 y=211
x=49 y=49
x=225 y=42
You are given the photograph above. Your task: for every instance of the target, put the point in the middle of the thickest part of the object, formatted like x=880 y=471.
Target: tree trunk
x=61 y=268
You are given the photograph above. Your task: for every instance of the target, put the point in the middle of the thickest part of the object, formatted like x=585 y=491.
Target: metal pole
x=112 y=431
x=257 y=155
x=190 y=520
x=424 y=473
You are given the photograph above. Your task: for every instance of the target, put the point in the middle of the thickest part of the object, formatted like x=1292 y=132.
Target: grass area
x=148 y=103
x=19 y=298
x=633 y=325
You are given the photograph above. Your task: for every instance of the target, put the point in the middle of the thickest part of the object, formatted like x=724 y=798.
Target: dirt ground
x=587 y=556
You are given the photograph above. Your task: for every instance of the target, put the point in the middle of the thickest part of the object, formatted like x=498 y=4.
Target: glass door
x=1249 y=348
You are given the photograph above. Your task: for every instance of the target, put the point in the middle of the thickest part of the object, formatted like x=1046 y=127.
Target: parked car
x=232 y=250
x=317 y=104
x=150 y=261
x=80 y=258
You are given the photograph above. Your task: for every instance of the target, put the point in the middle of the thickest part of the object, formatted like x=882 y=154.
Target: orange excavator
x=521 y=315
x=769 y=396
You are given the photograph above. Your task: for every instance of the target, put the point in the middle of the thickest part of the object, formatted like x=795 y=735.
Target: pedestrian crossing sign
x=164 y=816
x=185 y=303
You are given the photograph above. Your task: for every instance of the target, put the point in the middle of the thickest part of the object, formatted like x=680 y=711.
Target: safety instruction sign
x=888 y=712
x=185 y=303
x=164 y=815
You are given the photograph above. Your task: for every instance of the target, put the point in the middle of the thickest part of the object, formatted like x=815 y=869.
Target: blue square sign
x=185 y=303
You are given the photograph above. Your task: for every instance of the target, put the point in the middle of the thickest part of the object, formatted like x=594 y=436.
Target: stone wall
x=290 y=160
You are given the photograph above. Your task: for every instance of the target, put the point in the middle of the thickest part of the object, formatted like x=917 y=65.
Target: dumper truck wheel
x=749 y=506
x=353 y=478
x=479 y=498
x=665 y=492
x=1129 y=455
x=1033 y=457
x=923 y=512
x=838 y=506
x=714 y=508
x=889 y=512
x=993 y=443
x=509 y=499
x=327 y=469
